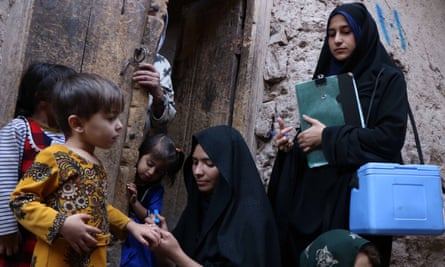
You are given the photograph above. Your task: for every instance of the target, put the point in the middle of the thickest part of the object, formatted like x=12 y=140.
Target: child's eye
x=111 y=117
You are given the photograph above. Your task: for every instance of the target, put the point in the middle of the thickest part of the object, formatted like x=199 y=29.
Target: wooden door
x=100 y=36
x=217 y=73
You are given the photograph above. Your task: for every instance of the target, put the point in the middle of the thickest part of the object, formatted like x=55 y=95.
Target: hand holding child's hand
x=169 y=245
x=146 y=234
x=162 y=224
x=78 y=234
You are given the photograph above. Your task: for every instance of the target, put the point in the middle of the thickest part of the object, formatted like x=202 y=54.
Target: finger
x=90 y=241
x=84 y=217
x=155 y=235
x=146 y=66
x=83 y=246
x=165 y=234
x=9 y=251
x=92 y=229
x=280 y=123
x=310 y=120
x=76 y=248
x=144 y=241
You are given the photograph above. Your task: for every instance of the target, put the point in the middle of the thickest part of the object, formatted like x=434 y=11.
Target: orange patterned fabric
x=60 y=183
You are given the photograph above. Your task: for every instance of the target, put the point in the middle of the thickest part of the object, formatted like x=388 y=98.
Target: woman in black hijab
x=310 y=201
x=228 y=220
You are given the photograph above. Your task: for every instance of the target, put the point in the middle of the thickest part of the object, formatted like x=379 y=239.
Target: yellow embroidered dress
x=58 y=184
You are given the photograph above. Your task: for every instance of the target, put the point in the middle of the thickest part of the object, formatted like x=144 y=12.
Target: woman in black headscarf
x=310 y=201
x=228 y=220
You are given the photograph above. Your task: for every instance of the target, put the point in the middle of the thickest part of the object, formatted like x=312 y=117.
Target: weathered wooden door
x=217 y=65
x=217 y=73
x=100 y=36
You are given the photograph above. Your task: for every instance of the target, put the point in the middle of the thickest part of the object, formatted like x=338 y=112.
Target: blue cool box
x=397 y=199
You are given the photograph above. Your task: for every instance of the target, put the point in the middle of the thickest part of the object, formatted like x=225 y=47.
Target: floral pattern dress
x=58 y=184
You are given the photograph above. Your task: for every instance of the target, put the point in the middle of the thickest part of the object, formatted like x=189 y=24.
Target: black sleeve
x=383 y=138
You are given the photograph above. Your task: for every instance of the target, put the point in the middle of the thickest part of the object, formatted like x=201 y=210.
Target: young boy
x=32 y=129
x=62 y=198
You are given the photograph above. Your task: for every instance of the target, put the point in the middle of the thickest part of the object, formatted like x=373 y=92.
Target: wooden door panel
x=205 y=70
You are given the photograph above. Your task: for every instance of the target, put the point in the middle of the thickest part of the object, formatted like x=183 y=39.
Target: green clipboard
x=332 y=100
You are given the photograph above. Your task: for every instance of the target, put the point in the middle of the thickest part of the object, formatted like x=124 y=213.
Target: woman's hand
x=310 y=138
x=169 y=251
x=146 y=234
x=281 y=139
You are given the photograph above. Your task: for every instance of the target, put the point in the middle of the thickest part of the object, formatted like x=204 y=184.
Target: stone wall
x=410 y=30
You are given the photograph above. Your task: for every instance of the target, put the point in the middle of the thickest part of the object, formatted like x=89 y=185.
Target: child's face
x=150 y=169
x=102 y=129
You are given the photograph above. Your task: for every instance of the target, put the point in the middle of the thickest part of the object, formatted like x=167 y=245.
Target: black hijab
x=375 y=74
x=234 y=226
x=309 y=201
x=369 y=53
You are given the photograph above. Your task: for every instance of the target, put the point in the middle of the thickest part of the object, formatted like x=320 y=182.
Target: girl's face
x=150 y=169
x=341 y=38
x=205 y=172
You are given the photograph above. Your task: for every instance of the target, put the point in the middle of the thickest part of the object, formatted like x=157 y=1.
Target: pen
x=273 y=133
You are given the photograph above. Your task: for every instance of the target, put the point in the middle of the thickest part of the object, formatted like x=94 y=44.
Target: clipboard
x=332 y=100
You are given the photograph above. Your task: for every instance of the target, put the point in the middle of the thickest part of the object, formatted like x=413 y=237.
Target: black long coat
x=308 y=202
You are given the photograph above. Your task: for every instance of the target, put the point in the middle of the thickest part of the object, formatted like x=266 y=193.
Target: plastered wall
x=414 y=32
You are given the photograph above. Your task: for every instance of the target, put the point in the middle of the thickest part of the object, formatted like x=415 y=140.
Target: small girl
x=32 y=129
x=158 y=159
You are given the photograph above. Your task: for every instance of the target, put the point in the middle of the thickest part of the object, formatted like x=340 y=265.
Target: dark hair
x=85 y=94
x=373 y=254
x=37 y=84
x=162 y=147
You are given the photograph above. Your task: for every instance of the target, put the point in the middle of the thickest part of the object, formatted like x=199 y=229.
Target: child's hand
x=163 y=224
x=78 y=234
x=132 y=192
x=9 y=244
x=146 y=234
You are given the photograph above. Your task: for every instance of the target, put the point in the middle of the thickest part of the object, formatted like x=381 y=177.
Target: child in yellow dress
x=62 y=198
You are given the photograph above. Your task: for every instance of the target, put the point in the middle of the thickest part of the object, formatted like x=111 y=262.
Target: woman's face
x=340 y=38
x=205 y=172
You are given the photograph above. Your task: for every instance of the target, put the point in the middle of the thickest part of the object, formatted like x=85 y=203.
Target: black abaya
x=234 y=226
x=308 y=202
